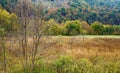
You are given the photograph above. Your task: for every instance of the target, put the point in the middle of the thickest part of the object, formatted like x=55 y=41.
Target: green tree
x=108 y=30
x=117 y=30
x=97 y=28
x=53 y=28
x=8 y=21
x=72 y=28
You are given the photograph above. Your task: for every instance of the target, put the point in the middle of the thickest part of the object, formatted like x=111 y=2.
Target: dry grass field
x=101 y=52
x=78 y=47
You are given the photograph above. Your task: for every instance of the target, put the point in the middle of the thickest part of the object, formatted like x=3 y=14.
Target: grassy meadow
x=65 y=54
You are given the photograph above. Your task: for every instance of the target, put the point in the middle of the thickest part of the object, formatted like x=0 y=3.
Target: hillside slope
x=105 y=11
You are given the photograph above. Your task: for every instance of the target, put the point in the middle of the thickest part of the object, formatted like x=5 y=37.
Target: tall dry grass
x=97 y=51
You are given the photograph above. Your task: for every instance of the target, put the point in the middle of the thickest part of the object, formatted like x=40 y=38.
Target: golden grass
x=108 y=48
x=74 y=46
x=52 y=48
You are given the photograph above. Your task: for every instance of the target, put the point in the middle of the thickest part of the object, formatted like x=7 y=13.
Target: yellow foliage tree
x=53 y=28
x=8 y=21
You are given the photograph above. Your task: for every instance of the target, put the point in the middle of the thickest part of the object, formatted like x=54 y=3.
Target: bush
x=63 y=64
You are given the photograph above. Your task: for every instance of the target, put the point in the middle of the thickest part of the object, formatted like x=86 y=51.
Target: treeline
x=9 y=24
x=76 y=27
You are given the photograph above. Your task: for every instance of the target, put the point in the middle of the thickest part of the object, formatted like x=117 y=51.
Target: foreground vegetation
x=67 y=55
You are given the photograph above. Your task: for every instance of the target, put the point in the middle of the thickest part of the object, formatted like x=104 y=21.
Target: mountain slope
x=105 y=11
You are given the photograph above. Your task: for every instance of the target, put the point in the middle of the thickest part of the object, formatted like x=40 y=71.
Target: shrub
x=63 y=64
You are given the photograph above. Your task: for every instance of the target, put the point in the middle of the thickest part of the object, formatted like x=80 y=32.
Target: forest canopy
x=104 y=11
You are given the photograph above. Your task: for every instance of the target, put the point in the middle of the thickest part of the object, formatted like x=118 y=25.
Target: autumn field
x=59 y=36
x=65 y=54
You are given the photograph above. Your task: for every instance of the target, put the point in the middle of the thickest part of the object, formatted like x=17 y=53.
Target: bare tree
x=23 y=11
x=38 y=29
x=30 y=15
x=31 y=18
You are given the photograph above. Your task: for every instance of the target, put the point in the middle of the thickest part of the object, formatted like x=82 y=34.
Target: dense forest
x=104 y=11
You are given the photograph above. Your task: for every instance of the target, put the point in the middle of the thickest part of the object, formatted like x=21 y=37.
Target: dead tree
x=38 y=31
x=23 y=12
x=27 y=13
